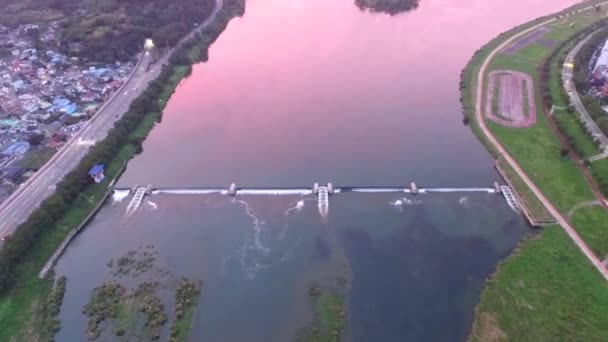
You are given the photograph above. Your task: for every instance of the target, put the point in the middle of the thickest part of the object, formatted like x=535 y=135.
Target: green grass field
x=16 y=309
x=546 y=291
x=537 y=149
x=569 y=124
x=532 y=203
x=592 y=225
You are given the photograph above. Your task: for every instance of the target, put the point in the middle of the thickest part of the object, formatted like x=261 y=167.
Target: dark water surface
x=297 y=92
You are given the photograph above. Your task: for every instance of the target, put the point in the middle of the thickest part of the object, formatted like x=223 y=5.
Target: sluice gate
x=323 y=192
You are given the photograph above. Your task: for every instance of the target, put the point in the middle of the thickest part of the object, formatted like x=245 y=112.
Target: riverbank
x=547 y=288
x=17 y=308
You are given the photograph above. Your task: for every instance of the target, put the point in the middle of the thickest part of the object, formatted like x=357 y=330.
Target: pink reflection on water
x=294 y=83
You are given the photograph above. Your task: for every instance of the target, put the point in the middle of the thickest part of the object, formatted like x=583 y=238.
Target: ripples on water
x=298 y=92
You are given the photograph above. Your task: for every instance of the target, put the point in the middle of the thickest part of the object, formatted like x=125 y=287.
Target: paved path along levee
x=41 y=185
x=492 y=139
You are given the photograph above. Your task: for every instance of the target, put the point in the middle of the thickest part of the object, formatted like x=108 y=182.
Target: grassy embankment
x=537 y=149
x=17 y=309
x=44 y=324
x=585 y=147
x=547 y=290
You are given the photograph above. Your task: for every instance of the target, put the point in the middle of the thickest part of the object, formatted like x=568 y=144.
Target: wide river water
x=297 y=92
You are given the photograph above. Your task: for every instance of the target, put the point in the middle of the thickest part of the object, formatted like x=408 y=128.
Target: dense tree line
x=24 y=241
x=17 y=12
x=583 y=58
x=391 y=7
x=117 y=30
x=581 y=79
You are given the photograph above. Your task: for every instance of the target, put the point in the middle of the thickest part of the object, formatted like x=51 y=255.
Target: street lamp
x=149 y=44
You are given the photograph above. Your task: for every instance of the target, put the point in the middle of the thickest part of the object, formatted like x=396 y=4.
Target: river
x=297 y=92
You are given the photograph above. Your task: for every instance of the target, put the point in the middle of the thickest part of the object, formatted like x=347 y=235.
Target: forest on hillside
x=110 y=30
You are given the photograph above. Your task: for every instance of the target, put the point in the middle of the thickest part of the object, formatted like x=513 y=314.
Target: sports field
x=510 y=99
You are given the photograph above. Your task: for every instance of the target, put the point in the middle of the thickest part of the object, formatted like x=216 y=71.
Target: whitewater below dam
x=301 y=92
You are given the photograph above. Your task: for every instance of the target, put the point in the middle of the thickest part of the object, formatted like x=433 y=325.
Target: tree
x=391 y=7
x=564 y=152
x=35 y=139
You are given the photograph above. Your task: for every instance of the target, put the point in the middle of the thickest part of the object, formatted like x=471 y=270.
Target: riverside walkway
x=513 y=163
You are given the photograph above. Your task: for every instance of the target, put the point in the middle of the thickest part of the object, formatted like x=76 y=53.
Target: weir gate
x=323 y=192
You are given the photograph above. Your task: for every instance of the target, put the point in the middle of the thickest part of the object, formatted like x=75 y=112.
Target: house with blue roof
x=96 y=173
x=63 y=105
x=16 y=148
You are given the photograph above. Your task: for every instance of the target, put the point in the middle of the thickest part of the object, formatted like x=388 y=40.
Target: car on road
x=126 y=93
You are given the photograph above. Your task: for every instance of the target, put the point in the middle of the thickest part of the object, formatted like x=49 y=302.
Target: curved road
x=480 y=119
x=41 y=185
x=567 y=75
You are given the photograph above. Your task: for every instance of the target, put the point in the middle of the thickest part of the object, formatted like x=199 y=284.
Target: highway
x=17 y=208
x=575 y=100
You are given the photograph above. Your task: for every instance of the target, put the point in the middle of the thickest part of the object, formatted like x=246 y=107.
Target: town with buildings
x=599 y=74
x=45 y=97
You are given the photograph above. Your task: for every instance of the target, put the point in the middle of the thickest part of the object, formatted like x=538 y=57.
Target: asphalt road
x=575 y=100
x=479 y=115
x=29 y=195
x=41 y=185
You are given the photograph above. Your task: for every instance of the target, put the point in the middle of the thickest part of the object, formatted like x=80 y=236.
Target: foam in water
x=323 y=201
x=404 y=201
x=153 y=205
x=397 y=204
x=274 y=192
x=187 y=191
x=410 y=202
x=379 y=190
x=297 y=207
x=463 y=200
x=119 y=195
x=256 y=245
x=479 y=189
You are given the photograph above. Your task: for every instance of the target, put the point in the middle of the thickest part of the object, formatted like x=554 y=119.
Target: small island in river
x=391 y=7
